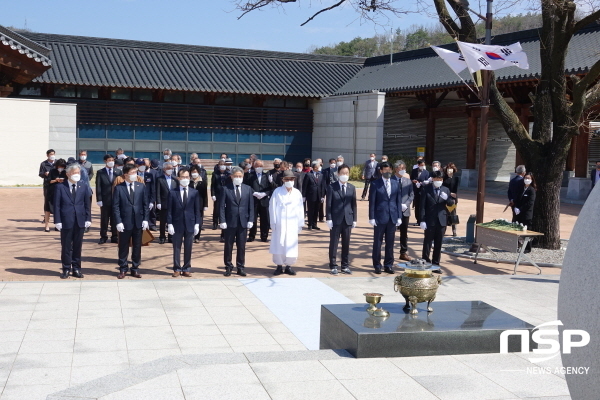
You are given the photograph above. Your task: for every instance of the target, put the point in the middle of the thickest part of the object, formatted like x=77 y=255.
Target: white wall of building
x=63 y=129
x=24 y=134
x=338 y=124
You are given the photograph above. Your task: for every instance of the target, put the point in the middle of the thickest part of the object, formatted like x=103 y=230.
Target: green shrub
x=356 y=173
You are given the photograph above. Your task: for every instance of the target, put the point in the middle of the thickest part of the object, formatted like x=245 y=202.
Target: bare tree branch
x=582 y=23
x=339 y=3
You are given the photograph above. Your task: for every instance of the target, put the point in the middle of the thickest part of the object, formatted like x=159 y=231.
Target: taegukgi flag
x=480 y=56
x=453 y=59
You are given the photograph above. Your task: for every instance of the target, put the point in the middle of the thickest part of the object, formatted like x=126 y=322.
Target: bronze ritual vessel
x=417 y=284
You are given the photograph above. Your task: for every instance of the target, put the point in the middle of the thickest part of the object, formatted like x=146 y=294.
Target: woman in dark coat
x=218 y=180
x=199 y=182
x=57 y=175
x=524 y=203
x=451 y=181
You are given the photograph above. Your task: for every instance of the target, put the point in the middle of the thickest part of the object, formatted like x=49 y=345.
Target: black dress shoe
x=153 y=229
x=47 y=230
x=278 y=270
x=196 y=240
x=222 y=240
x=114 y=240
x=135 y=274
x=161 y=241
x=264 y=240
x=316 y=227
x=240 y=272
x=214 y=228
x=121 y=275
x=227 y=271
x=389 y=270
x=86 y=230
x=289 y=270
x=65 y=274
x=310 y=228
x=77 y=274
x=378 y=270
x=437 y=271
x=102 y=240
x=250 y=239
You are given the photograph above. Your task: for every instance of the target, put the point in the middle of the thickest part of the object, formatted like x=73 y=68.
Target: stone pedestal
x=468 y=178
x=454 y=327
x=579 y=188
x=567 y=175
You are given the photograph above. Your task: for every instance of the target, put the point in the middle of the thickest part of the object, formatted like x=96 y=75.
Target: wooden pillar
x=583 y=144
x=472 y=126
x=571 y=157
x=430 y=135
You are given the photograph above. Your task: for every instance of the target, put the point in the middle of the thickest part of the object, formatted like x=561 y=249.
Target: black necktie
x=237 y=193
x=73 y=192
x=110 y=177
x=131 y=191
x=184 y=197
x=437 y=193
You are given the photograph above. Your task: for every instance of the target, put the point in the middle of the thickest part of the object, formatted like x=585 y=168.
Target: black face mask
x=276 y=166
x=387 y=175
x=307 y=165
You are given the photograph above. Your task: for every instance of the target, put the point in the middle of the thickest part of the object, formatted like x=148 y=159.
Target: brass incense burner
x=417 y=284
x=373 y=299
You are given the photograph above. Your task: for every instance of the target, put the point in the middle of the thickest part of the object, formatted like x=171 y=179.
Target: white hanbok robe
x=286 y=213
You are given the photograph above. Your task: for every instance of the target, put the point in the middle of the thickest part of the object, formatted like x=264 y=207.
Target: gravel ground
x=459 y=246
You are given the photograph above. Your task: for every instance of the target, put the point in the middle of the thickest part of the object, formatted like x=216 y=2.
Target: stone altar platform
x=454 y=327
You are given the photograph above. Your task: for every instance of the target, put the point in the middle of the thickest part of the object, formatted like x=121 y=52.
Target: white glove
x=120 y=227
x=329 y=224
x=372 y=222
x=270 y=178
x=214 y=198
x=354 y=224
x=223 y=225
x=144 y=224
x=443 y=195
x=517 y=211
x=428 y=180
x=151 y=206
x=262 y=194
x=256 y=194
x=170 y=229
x=418 y=184
x=323 y=200
x=250 y=225
x=196 y=229
x=88 y=224
x=205 y=208
x=99 y=204
x=404 y=207
x=58 y=226
x=399 y=222
x=158 y=207
x=424 y=225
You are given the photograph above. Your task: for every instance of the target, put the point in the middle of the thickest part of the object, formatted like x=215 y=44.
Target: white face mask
x=343 y=178
x=320 y=168
x=168 y=171
x=237 y=181
x=339 y=163
x=289 y=184
x=60 y=169
x=248 y=166
x=527 y=181
x=332 y=166
x=228 y=167
x=435 y=169
x=222 y=159
x=82 y=158
x=450 y=170
x=437 y=184
x=176 y=162
x=199 y=166
x=75 y=177
x=195 y=175
x=166 y=156
x=401 y=172
x=52 y=158
x=132 y=178
x=142 y=168
x=372 y=158
x=110 y=164
x=259 y=170
x=384 y=160
x=222 y=167
x=184 y=182
x=421 y=167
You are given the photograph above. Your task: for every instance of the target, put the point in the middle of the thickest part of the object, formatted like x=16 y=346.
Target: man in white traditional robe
x=286 y=214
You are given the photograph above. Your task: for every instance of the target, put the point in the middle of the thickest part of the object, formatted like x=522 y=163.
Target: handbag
x=453 y=219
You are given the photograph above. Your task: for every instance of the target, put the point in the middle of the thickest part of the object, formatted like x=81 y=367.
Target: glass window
x=294 y=102
x=274 y=102
x=249 y=136
x=299 y=138
x=243 y=100
x=173 y=97
x=92 y=131
x=196 y=98
x=96 y=157
x=200 y=135
x=225 y=135
x=148 y=154
x=147 y=133
x=205 y=156
x=64 y=91
x=31 y=91
x=87 y=92
x=142 y=94
x=273 y=137
x=224 y=99
x=120 y=94
x=174 y=134
x=119 y=132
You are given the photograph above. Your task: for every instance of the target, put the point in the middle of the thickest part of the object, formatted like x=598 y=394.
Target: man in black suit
x=434 y=216
x=236 y=216
x=385 y=214
x=341 y=218
x=420 y=179
x=130 y=208
x=72 y=215
x=515 y=188
x=152 y=171
x=595 y=174
x=183 y=219
x=164 y=184
x=330 y=174
x=370 y=173
x=104 y=195
x=259 y=182
x=407 y=196
x=313 y=191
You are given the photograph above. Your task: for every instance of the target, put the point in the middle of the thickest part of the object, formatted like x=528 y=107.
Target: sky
x=199 y=22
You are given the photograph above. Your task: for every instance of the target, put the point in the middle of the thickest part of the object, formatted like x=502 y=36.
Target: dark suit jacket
x=162 y=190
x=299 y=180
x=217 y=182
x=525 y=201
x=150 y=182
x=233 y=213
x=515 y=187
x=371 y=172
x=261 y=186
x=69 y=212
x=593 y=176
x=184 y=219
x=202 y=188
x=45 y=166
x=312 y=189
x=452 y=183
x=406 y=192
x=384 y=208
x=414 y=175
x=130 y=214
x=341 y=209
x=433 y=208
x=104 y=185
x=330 y=176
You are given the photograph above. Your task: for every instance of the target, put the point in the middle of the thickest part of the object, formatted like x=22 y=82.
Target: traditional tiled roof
x=23 y=45
x=422 y=69
x=90 y=61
